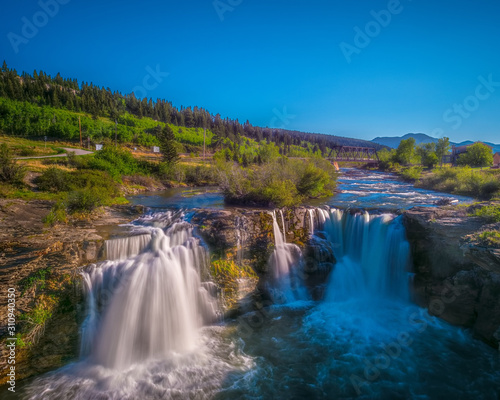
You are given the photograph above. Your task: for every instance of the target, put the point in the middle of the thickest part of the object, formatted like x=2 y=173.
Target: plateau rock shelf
x=331 y=316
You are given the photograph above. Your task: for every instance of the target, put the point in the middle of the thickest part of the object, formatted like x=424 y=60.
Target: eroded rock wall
x=455 y=278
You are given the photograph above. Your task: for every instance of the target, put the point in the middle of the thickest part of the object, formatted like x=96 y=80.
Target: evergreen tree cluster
x=44 y=90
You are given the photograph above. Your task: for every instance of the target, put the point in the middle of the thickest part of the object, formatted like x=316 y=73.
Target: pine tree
x=167 y=145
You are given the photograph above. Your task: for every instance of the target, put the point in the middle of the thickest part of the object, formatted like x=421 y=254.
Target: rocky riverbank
x=41 y=264
x=457 y=276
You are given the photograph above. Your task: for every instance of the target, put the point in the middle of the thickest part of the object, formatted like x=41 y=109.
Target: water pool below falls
x=153 y=328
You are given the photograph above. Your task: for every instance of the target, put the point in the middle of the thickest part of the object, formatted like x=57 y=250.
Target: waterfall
x=120 y=249
x=148 y=305
x=310 y=213
x=285 y=282
x=372 y=254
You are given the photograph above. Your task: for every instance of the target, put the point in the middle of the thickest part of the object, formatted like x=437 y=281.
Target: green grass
x=465 y=181
x=491 y=238
x=37 y=278
x=489 y=213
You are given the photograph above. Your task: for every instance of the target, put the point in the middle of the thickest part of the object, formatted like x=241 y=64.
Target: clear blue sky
x=276 y=55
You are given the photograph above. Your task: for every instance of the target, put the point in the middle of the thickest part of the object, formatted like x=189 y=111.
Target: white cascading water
x=149 y=305
x=284 y=265
x=123 y=248
x=310 y=214
x=372 y=254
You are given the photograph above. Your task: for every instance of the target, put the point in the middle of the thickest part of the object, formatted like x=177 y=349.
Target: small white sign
x=98 y=147
x=156 y=149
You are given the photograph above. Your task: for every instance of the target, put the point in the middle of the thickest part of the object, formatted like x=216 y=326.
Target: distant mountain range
x=421 y=138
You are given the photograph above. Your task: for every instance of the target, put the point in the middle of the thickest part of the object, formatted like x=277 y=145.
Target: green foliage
x=85 y=200
x=313 y=181
x=489 y=213
x=199 y=175
x=10 y=170
x=427 y=154
x=117 y=162
x=405 y=151
x=37 y=278
x=229 y=270
x=56 y=215
x=464 y=181
x=411 y=174
x=39 y=315
x=54 y=180
x=167 y=145
x=276 y=183
x=477 y=155
x=20 y=341
x=442 y=147
x=491 y=238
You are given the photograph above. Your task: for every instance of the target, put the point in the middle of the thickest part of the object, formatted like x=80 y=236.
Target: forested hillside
x=39 y=105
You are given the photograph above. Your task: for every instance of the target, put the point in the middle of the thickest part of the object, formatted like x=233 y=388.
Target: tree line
x=43 y=90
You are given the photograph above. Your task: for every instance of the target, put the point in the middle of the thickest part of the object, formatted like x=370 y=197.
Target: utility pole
x=80 y=127
x=204 y=137
x=116 y=127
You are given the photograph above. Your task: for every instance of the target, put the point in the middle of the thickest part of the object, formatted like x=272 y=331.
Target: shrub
x=491 y=238
x=85 y=200
x=411 y=174
x=489 y=213
x=54 y=180
x=10 y=170
x=199 y=175
x=116 y=162
x=278 y=183
x=56 y=215
x=26 y=152
x=312 y=181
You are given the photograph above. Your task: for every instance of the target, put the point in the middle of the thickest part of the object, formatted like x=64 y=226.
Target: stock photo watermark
x=31 y=26
x=281 y=118
x=150 y=81
x=390 y=352
x=224 y=6
x=363 y=37
x=458 y=112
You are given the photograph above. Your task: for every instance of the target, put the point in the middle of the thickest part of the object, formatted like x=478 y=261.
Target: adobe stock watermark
x=458 y=112
x=150 y=81
x=223 y=6
x=281 y=118
x=373 y=28
x=419 y=322
x=31 y=26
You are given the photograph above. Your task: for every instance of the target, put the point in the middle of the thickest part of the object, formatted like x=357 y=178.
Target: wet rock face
x=246 y=237
x=29 y=250
x=456 y=278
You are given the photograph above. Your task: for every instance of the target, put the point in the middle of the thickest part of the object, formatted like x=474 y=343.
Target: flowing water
x=153 y=330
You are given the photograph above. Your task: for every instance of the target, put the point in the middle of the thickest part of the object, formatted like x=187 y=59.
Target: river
x=153 y=330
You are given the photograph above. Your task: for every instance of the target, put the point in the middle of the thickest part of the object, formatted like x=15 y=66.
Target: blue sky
x=417 y=66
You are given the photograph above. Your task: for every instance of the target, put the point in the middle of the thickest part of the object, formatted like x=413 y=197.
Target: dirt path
x=78 y=152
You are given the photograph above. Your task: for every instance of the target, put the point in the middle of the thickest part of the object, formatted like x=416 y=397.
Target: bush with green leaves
x=10 y=170
x=54 y=180
x=117 y=162
x=56 y=215
x=279 y=183
x=464 y=181
x=411 y=174
x=85 y=200
x=490 y=213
